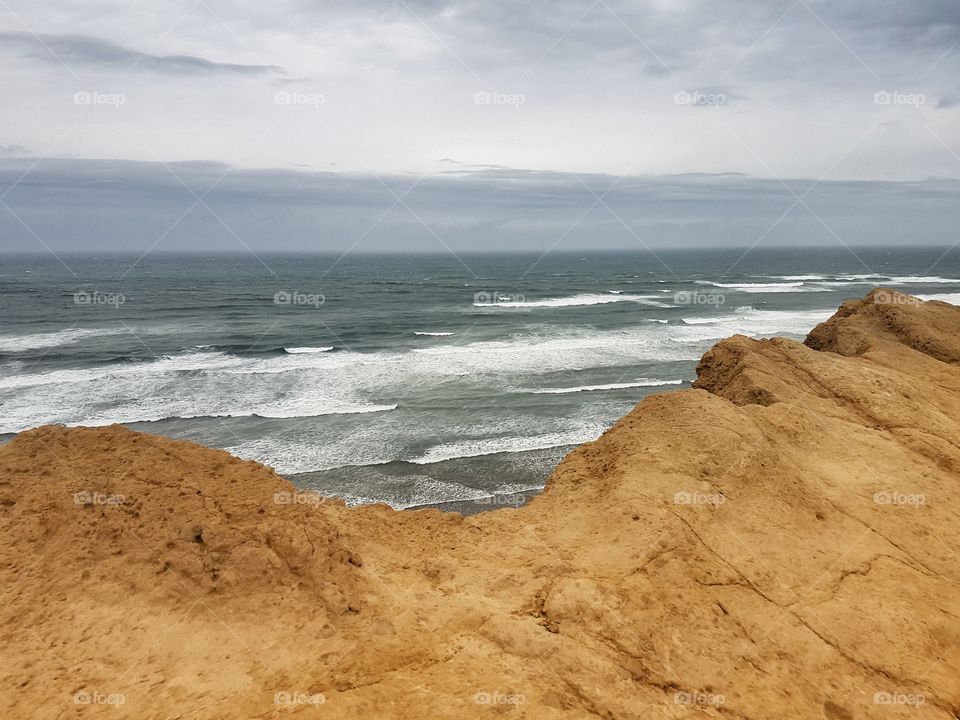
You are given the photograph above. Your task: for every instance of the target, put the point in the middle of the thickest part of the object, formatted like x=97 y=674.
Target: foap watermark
x=513 y=501
x=89 y=497
x=298 y=498
x=498 y=697
x=698 y=698
x=895 y=97
x=699 y=297
x=895 y=497
x=90 y=697
x=314 y=100
x=700 y=98
x=888 y=297
x=95 y=97
x=284 y=697
x=295 y=297
x=97 y=298
x=484 y=97
x=494 y=297
x=896 y=697
x=685 y=497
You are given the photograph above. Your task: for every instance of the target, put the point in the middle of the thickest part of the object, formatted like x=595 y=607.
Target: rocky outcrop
x=780 y=541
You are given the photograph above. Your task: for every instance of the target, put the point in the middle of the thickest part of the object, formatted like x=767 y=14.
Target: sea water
x=405 y=379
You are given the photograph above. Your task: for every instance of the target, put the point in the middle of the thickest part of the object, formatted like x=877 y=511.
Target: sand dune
x=779 y=542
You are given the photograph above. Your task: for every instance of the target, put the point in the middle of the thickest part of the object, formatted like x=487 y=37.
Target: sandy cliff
x=780 y=541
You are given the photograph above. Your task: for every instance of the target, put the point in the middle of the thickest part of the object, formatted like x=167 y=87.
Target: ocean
x=411 y=380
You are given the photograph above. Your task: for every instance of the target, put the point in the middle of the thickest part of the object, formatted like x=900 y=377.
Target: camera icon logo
x=882 y=98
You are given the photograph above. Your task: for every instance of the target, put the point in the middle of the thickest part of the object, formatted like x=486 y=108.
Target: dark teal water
x=406 y=379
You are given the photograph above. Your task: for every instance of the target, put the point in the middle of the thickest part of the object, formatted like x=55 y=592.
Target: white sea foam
x=205 y=384
x=758 y=285
x=308 y=409
x=42 y=341
x=752 y=322
x=311 y=454
x=141 y=414
x=187 y=386
x=952 y=298
x=307 y=350
x=124 y=371
x=844 y=279
x=799 y=282
x=494 y=445
x=409 y=491
x=417 y=490
x=923 y=280
x=155 y=409
x=380 y=439
x=804 y=289
x=784 y=287
x=576 y=300
x=876 y=279
x=607 y=386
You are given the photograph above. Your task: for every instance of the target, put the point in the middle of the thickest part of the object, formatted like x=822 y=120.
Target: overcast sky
x=503 y=121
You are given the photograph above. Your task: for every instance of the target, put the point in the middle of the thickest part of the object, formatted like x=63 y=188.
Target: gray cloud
x=128 y=206
x=661 y=38
x=599 y=81
x=13 y=150
x=80 y=51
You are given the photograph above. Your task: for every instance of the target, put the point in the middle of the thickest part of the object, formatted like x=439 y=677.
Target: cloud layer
x=82 y=52
x=67 y=205
x=841 y=92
